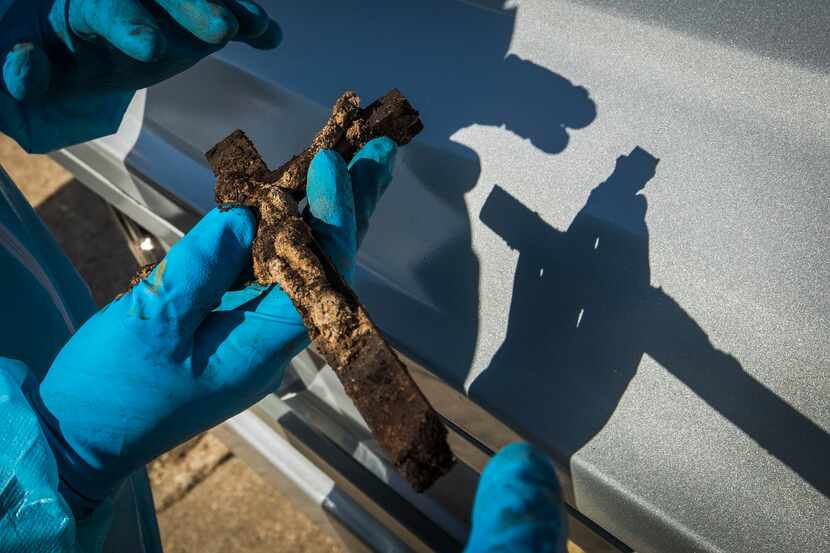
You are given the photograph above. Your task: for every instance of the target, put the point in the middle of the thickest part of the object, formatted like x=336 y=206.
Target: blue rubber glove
x=518 y=505
x=180 y=352
x=72 y=66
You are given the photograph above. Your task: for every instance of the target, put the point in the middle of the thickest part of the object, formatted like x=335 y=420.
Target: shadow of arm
x=681 y=346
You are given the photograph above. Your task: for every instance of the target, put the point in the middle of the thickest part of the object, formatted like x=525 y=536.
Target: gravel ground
x=206 y=499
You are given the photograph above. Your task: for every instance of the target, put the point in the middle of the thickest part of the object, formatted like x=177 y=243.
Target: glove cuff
x=83 y=486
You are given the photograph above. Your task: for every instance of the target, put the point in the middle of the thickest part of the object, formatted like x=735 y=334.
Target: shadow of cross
x=584 y=313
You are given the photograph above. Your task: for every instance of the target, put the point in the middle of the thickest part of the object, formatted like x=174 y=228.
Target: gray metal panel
x=664 y=336
x=266 y=447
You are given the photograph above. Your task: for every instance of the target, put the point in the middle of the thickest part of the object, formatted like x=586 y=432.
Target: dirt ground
x=206 y=500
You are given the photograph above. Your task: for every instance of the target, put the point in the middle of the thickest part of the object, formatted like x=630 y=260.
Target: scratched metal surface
x=612 y=233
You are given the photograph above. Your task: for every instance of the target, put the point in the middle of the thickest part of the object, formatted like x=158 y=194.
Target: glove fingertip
x=126 y=26
x=219 y=29
x=241 y=221
x=198 y=269
x=331 y=204
x=253 y=20
x=522 y=462
x=371 y=171
x=269 y=39
x=381 y=149
x=329 y=192
x=325 y=158
x=26 y=72
x=144 y=43
x=375 y=163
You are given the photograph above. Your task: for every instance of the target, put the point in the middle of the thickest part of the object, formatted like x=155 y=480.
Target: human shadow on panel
x=584 y=313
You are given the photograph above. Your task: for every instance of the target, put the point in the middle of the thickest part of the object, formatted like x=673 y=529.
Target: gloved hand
x=518 y=505
x=180 y=353
x=72 y=66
